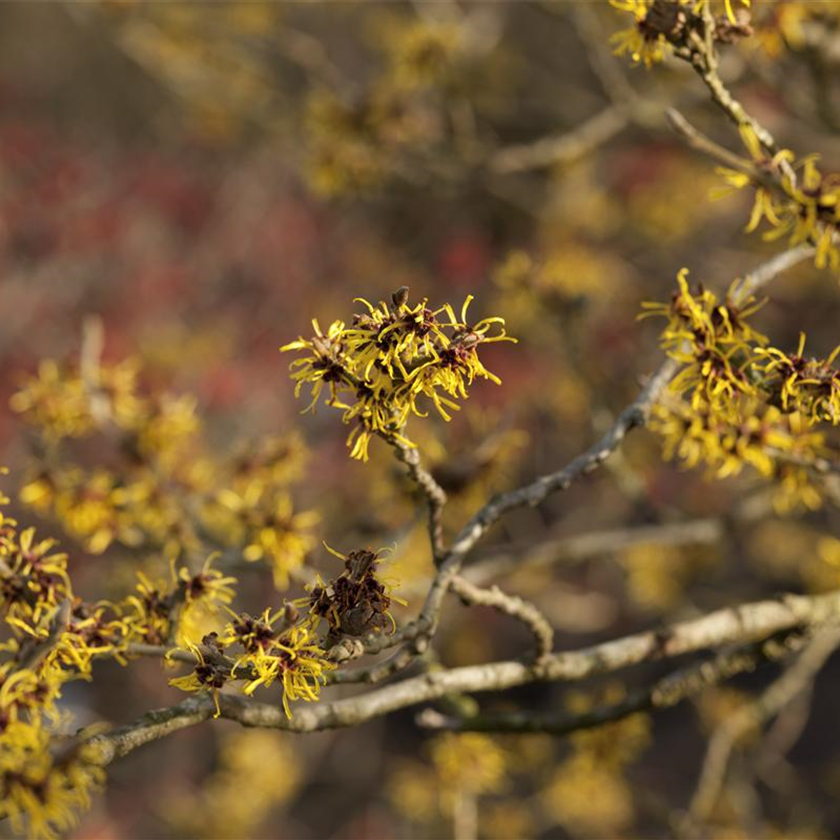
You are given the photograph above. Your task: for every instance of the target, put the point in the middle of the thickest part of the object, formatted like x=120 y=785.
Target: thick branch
x=735 y=625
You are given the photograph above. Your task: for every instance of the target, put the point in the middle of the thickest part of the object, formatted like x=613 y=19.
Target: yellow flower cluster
x=358 y=142
x=753 y=434
x=424 y=53
x=265 y=523
x=162 y=610
x=42 y=790
x=783 y=24
x=289 y=652
x=792 y=195
x=468 y=763
x=380 y=369
x=713 y=341
x=660 y=25
x=62 y=403
x=658 y=574
x=153 y=434
x=166 y=489
x=737 y=401
x=70 y=402
x=595 y=770
x=804 y=208
x=286 y=646
x=535 y=294
x=226 y=85
x=805 y=385
x=51 y=637
x=257 y=772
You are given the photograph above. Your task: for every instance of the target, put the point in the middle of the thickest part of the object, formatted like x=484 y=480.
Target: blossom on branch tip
x=391 y=363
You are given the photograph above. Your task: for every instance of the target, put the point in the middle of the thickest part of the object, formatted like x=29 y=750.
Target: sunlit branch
x=740 y=624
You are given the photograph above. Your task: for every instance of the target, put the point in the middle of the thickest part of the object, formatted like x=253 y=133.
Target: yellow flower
x=291 y=655
x=263 y=521
x=469 y=762
x=806 y=209
x=42 y=791
x=207 y=675
x=381 y=367
x=37 y=581
x=713 y=341
x=55 y=401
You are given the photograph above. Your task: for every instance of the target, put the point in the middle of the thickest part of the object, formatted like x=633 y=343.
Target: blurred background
x=205 y=178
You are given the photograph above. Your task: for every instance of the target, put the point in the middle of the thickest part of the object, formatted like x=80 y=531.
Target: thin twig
x=698 y=141
x=512 y=605
x=565 y=147
x=434 y=494
x=579 y=547
x=781 y=692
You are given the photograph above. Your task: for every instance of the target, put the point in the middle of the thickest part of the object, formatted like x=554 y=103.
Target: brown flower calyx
x=356 y=602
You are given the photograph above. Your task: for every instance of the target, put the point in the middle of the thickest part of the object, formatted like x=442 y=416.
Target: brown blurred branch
x=578 y=547
x=561 y=148
x=776 y=697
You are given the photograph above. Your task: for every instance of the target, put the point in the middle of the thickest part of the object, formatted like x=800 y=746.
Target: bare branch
x=636 y=414
x=662 y=694
x=152 y=726
x=779 y=694
x=579 y=547
x=561 y=148
x=767 y=271
x=380 y=671
x=701 y=54
x=698 y=141
x=511 y=605
x=435 y=495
